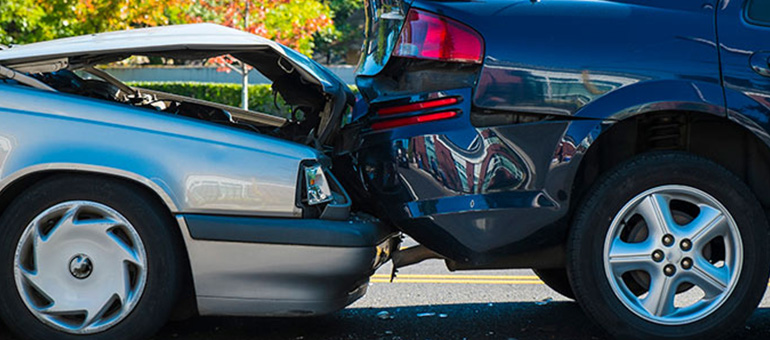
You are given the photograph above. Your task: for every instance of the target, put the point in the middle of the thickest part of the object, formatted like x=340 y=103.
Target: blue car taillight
x=387 y=112
x=427 y=35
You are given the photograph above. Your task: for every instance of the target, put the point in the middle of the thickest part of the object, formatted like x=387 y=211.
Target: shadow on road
x=519 y=320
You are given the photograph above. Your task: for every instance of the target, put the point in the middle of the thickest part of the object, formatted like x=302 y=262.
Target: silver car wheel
x=655 y=259
x=80 y=267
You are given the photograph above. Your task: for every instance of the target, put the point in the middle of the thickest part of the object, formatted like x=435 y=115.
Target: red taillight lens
x=417 y=106
x=427 y=35
x=389 y=124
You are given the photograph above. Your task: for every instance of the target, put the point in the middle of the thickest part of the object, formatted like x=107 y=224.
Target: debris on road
x=384 y=315
x=425 y=315
x=544 y=302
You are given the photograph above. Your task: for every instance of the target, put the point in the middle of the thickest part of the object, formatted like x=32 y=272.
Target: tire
x=96 y=240
x=557 y=280
x=612 y=245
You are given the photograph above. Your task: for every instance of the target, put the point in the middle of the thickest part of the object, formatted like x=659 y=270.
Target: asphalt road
x=430 y=303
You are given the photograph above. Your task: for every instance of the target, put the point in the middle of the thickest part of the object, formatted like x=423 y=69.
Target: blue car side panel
x=745 y=56
x=475 y=193
x=555 y=57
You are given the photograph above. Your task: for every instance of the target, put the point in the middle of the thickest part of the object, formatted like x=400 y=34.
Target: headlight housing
x=316 y=185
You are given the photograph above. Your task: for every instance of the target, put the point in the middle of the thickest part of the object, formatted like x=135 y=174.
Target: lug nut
x=668 y=240
x=657 y=256
x=686 y=245
x=669 y=270
x=686 y=263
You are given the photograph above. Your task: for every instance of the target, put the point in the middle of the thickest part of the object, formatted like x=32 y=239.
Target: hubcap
x=685 y=242
x=80 y=267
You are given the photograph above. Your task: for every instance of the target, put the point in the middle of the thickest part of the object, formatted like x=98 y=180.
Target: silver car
x=121 y=205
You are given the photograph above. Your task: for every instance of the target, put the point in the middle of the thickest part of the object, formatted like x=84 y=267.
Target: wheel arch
x=730 y=142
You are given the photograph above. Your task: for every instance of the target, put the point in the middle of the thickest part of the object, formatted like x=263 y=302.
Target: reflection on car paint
x=531 y=89
x=487 y=166
x=219 y=192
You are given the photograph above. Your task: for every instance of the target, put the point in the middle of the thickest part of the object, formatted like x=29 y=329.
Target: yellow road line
x=494 y=282
x=501 y=282
x=463 y=279
x=469 y=277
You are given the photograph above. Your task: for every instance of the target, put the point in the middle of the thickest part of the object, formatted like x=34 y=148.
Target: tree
x=294 y=23
x=345 y=42
x=21 y=18
x=26 y=21
x=290 y=22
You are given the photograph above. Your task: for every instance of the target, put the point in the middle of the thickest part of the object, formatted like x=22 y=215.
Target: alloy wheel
x=686 y=247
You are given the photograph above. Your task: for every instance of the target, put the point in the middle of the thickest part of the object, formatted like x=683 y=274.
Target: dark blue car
x=618 y=148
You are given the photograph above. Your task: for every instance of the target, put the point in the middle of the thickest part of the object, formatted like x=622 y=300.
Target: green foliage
x=290 y=22
x=347 y=34
x=20 y=22
x=260 y=96
x=27 y=21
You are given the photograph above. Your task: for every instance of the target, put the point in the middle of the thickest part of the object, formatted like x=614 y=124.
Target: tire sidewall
x=595 y=217
x=162 y=284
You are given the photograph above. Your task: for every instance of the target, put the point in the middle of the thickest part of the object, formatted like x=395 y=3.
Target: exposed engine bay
x=315 y=113
x=298 y=128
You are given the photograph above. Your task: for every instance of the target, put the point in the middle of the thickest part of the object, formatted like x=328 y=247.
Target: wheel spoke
x=102 y=225
x=625 y=257
x=711 y=279
x=660 y=298
x=65 y=220
x=124 y=252
x=709 y=224
x=95 y=310
x=33 y=280
x=656 y=212
x=44 y=284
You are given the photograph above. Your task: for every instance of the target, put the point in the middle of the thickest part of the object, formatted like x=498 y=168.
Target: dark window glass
x=759 y=11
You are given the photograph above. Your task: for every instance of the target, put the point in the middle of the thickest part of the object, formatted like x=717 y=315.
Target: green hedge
x=260 y=96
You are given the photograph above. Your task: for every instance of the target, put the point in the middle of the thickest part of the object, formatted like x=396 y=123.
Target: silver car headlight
x=316 y=185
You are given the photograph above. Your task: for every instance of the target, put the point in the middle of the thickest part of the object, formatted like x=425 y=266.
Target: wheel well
x=187 y=303
x=716 y=138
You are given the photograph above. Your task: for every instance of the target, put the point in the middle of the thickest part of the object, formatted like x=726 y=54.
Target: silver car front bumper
x=237 y=273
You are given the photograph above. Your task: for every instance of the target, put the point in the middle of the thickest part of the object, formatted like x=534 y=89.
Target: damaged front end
x=318 y=98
